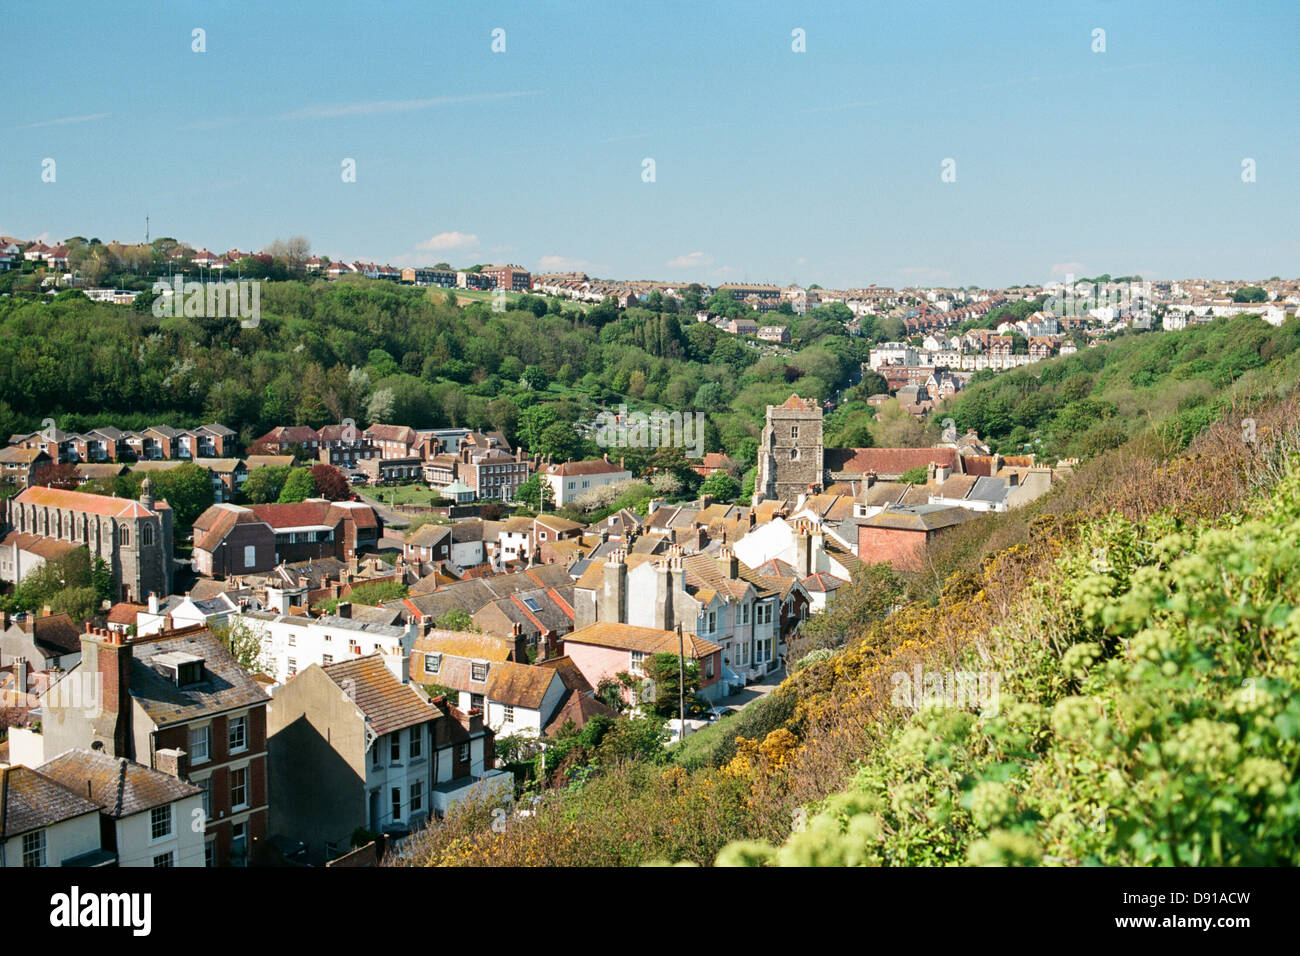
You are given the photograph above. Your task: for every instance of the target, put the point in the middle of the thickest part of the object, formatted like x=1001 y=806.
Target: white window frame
x=242 y=723
x=234 y=804
x=201 y=747
x=415 y=742
x=34 y=848
x=160 y=817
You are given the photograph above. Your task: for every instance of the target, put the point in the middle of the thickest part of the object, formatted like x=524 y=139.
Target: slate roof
x=919 y=518
x=30 y=800
x=390 y=704
x=476 y=593
x=225 y=686
x=119 y=787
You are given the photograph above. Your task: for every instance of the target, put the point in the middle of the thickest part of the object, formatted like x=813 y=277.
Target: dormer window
x=478 y=671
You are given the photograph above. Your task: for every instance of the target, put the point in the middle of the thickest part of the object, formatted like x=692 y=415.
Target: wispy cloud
x=66 y=120
x=692 y=260
x=399 y=106
x=449 y=240
x=1068 y=268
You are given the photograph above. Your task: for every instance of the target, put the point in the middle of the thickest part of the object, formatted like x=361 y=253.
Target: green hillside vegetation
x=1147 y=713
x=829 y=769
x=374 y=351
x=1094 y=400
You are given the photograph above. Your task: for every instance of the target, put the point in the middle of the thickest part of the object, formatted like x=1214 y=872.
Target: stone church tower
x=790 y=454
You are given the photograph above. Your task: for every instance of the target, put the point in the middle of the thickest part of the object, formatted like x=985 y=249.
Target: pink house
x=607 y=648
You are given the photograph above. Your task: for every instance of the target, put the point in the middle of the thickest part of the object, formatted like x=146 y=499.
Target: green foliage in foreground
x=1148 y=713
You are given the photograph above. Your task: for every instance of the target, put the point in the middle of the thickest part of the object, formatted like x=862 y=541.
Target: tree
x=529 y=491
x=560 y=442
x=663 y=674
x=186 y=488
x=535 y=378
x=533 y=421
x=329 y=482
x=264 y=484
x=915 y=476
x=299 y=486
x=245 y=644
x=721 y=486
x=456 y=620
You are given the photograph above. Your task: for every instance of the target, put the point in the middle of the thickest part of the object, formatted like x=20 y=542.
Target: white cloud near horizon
x=692 y=260
x=444 y=241
x=1068 y=268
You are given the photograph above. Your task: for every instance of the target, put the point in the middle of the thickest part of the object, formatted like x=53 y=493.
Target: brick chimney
x=106 y=660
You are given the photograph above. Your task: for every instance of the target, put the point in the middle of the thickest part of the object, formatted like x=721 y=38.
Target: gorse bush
x=1149 y=714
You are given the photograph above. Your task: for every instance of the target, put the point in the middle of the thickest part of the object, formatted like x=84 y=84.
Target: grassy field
x=400 y=494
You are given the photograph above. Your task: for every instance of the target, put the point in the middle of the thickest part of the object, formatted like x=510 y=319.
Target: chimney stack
x=153 y=602
x=611 y=605
x=20 y=676
x=174 y=762
x=106 y=659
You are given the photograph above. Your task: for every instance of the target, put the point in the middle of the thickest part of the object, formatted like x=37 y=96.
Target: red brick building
x=179 y=690
x=900 y=535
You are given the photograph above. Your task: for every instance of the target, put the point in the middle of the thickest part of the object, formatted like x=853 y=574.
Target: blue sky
x=771 y=165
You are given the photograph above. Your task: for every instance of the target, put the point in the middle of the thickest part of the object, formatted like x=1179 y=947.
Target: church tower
x=790 y=453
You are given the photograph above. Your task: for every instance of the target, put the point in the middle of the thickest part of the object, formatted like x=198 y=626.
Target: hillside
x=831 y=769
x=377 y=351
x=1138 y=705
x=1094 y=400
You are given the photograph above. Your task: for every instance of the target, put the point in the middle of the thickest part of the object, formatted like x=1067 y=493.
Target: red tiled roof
x=595 y=467
x=84 y=501
x=888 y=461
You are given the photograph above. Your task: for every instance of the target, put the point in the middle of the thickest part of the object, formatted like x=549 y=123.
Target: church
x=135 y=538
